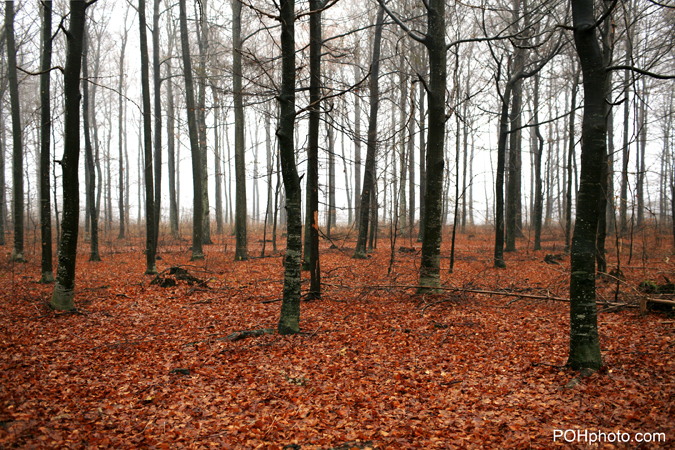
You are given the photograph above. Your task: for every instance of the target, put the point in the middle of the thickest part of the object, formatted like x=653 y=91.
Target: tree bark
x=203 y=45
x=64 y=289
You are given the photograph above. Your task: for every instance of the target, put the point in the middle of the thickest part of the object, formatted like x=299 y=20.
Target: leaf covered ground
x=376 y=366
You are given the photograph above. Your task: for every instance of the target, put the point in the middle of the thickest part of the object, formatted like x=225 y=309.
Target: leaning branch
x=642 y=72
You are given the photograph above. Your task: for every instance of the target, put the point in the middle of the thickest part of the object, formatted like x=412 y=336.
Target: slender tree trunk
x=584 y=343
x=499 y=182
x=45 y=142
x=570 y=159
x=241 y=252
x=194 y=138
x=150 y=240
x=171 y=149
x=157 y=82
x=423 y=171
x=369 y=174
x=218 y=157
x=289 y=319
x=17 y=135
x=538 y=152
x=120 y=127
x=89 y=155
x=203 y=45
x=3 y=138
x=64 y=289
x=357 y=147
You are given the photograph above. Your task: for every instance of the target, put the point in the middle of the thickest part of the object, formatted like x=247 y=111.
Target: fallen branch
x=248 y=333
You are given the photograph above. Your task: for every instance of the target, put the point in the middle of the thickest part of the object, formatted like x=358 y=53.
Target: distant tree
x=17 y=135
x=64 y=289
x=157 y=85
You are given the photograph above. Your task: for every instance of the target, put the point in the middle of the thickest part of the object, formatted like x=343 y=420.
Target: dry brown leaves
x=146 y=366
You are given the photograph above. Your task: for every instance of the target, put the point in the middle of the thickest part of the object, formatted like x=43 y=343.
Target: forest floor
x=144 y=366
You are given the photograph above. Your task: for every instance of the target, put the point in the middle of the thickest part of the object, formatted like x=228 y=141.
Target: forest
x=184 y=266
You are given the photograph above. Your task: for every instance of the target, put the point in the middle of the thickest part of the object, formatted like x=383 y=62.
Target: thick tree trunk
x=64 y=289
x=3 y=137
x=431 y=246
x=17 y=139
x=45 y=142
x=289 y=319
x=369 y=174
x=584 y=343
x=194 y=138
x=241 y=251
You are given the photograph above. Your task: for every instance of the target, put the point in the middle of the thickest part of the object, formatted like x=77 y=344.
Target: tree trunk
x=499 y=182
x=538 y=153
x=203 y=45
x=369 y=174
x=157 y=82
x=423 y=170
x=357 y=147
x=64 y=289
x=45 y=142
x=289 y=319
x=194 y=138
x=584 y=343
x=218 y=157
x=17 y=139
x=120 y=126
x=570 y=159
x=431 y=246
x=241 y=251
x=171 y=147
x=151 y=267
x=89 y=155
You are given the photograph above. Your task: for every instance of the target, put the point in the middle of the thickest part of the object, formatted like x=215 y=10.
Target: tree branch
x=642 y=72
